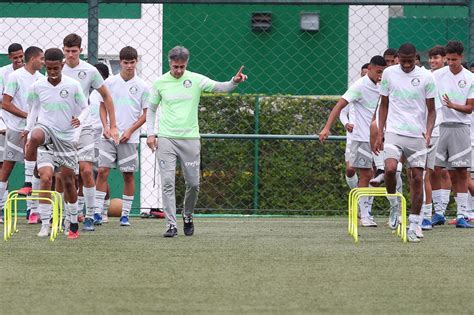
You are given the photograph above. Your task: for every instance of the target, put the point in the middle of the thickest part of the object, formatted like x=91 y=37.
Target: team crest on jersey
x=133 y=90
x=187 y=84
x=82 y=75
x=462 y=84
x=64 y=93
x=415 y=82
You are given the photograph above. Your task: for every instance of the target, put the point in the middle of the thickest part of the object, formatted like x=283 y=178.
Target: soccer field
x=237 y=265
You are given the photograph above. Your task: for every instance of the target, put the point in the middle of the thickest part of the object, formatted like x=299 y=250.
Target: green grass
x=241 y=265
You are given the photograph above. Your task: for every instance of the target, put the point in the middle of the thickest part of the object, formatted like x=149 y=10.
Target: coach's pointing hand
x=240 y=77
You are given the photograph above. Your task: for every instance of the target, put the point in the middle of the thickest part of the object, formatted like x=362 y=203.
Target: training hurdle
x=11 y=211
x=353 y=206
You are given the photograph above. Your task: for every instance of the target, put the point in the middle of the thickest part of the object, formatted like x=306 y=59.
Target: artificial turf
x=237 y=265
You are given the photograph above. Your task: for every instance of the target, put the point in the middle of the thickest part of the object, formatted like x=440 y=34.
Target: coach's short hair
x=103 y=70
x=178 y=53
x=454 y=47
x=378 y=61
x=128 y=53
x=72 y=40
x=31 y=52
x=407 y=49
x=14 y=48
x=364 y=66
x=53 y=54
x=437 y=50
x=390 y=52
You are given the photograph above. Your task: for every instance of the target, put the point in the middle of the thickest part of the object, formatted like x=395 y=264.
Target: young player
x=437 y=181
x=364 y=95
x=456 y=91
x=391 y=56
x=178 y=92
x=346 y=117
x=406 y=124
x=130 y=95
x=95 y=99
x=58 y=106
x=15 y=111
x=15 y=55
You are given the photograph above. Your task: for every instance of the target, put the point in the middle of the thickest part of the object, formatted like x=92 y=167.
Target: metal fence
x=299 y=48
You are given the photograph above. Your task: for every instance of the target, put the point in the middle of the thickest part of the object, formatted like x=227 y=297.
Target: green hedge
x=294 y=176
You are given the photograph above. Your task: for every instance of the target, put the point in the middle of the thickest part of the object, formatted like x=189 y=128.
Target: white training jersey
x=56 y=105
x=439 y=114
x=94 y=116
x=17 y=86
x=364 y=96
x=4 y=73
x=86 y=74
x=459 y=88
x=130 y=98
x=407 y=93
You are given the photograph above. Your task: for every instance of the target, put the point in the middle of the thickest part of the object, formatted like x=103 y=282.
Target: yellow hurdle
x=353 y=206
x=11 y=211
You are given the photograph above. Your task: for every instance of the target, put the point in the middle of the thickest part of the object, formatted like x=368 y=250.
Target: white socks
x=352 y=181
x=89 y=198
x=99 y=200
x=126 y=204
x=72 y=209
x=414 y=220
x=461 y=201
x=29 y=168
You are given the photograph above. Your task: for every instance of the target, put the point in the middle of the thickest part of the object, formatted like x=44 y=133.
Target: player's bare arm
x=128 y=133
x=383 y=111
x=335 y=112
x=109 y=107
x=466 y=108
x=11 y=108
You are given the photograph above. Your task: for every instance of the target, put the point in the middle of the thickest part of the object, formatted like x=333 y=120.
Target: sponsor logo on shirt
x=82 y=75
x=133 y=90
x=187 y=84
x=462 y=84
x=415 y=82
x=64 y=93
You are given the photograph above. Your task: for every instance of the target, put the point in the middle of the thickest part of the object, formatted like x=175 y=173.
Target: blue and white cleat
x=97 y=219
x=124 y=221
x=438 y=219
x=88 y=225
x=426 y=225
x=463 y=223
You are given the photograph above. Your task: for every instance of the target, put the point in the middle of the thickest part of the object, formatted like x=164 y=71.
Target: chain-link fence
x=289 y=49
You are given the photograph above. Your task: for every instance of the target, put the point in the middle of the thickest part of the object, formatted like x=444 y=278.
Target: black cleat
x=188 y=226
x=171 y=232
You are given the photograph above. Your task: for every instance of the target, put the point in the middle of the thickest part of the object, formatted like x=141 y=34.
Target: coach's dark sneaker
x=26 y=189
x=188 y=226
x=171 y=232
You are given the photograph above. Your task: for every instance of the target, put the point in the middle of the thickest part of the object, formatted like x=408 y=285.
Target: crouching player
x=364 y=95
x=57 y=107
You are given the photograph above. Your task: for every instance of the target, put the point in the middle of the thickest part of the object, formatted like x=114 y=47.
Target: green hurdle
x=353 y=206
x=11 y=211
